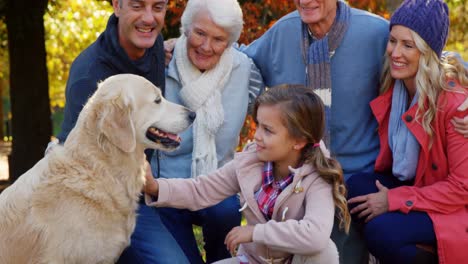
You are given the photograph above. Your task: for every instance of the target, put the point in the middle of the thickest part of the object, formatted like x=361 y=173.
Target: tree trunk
x=29 y=88
x=2 y=121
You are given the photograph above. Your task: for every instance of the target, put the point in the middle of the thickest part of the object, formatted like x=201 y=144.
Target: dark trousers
x=151 y=242
x=216 y=221
x=392 y=236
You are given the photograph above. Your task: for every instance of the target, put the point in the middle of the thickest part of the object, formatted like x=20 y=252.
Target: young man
x=131 y=43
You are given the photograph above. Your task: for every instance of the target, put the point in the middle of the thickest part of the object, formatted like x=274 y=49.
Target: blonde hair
x=303 y=114
x=431 y=79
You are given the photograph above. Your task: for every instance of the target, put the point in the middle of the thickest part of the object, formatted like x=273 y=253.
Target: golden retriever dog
x=77 y=204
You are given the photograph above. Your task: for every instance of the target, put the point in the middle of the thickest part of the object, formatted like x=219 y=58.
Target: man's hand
x=461 y=124
x=168 y=49
x=151 y=185
x=238 y=235
x=373 y=204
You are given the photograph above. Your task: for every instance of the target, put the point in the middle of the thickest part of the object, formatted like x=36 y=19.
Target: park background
x=40 y=38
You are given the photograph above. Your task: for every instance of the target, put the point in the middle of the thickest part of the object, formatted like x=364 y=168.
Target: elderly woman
x=418 y=202
x=217 y=82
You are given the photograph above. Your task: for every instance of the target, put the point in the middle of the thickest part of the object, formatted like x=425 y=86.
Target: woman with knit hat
x=414 y=209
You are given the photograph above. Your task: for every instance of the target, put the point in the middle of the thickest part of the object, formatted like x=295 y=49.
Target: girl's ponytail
x=330 y=171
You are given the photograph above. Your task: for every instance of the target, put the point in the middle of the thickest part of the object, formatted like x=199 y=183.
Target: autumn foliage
x=378 y=7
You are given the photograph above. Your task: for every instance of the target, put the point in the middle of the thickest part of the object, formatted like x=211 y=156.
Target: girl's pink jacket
x=441 y=183
x=302 y=218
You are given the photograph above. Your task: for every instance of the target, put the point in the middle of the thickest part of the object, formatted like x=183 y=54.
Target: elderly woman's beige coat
x=302 y=218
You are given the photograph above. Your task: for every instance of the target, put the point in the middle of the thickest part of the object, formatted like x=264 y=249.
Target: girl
x=423 y=160
x=288 y=188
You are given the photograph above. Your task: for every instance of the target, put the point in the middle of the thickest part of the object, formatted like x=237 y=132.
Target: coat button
x=298 y=189
x=409 y=203
x=408 y=118
x=434 y=166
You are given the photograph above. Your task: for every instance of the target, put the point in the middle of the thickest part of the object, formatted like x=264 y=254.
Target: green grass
x=200 y=243
x=199 y=237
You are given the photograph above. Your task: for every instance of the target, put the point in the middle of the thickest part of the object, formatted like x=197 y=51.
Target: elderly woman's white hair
x=224 y=13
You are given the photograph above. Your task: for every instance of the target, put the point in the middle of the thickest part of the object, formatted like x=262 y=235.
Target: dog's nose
x=192 y=116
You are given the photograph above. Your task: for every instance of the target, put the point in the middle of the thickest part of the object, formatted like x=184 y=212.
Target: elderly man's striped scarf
x=317 y=56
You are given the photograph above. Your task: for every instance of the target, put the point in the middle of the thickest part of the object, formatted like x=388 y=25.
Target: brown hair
x=303 y=115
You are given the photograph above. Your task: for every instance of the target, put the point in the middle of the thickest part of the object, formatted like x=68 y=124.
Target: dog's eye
x=158 y=100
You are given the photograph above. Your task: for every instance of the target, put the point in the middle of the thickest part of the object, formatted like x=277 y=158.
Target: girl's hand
x=373 y=204
x=151 y=185
x=238 y=235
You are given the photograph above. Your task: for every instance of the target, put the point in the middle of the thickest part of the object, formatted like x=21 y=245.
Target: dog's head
x=133 y=111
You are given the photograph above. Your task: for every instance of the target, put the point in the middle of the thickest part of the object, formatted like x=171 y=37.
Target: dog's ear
x=117 y=126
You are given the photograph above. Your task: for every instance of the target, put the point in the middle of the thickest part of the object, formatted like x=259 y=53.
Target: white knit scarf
x=201 y=92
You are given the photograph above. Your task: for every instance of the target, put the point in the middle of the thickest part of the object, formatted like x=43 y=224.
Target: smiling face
x=317 y=14
x=403 y=55
x=274 y=143
x=206 y=42
x=140 y=22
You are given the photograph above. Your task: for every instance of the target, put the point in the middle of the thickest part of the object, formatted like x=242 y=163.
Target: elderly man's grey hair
x=224 y=13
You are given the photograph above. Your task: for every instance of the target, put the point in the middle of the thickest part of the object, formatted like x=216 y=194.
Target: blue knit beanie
x=428 y=18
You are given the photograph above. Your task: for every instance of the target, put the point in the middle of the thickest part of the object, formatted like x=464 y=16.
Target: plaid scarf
x=270 y=190
x=317 y=56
